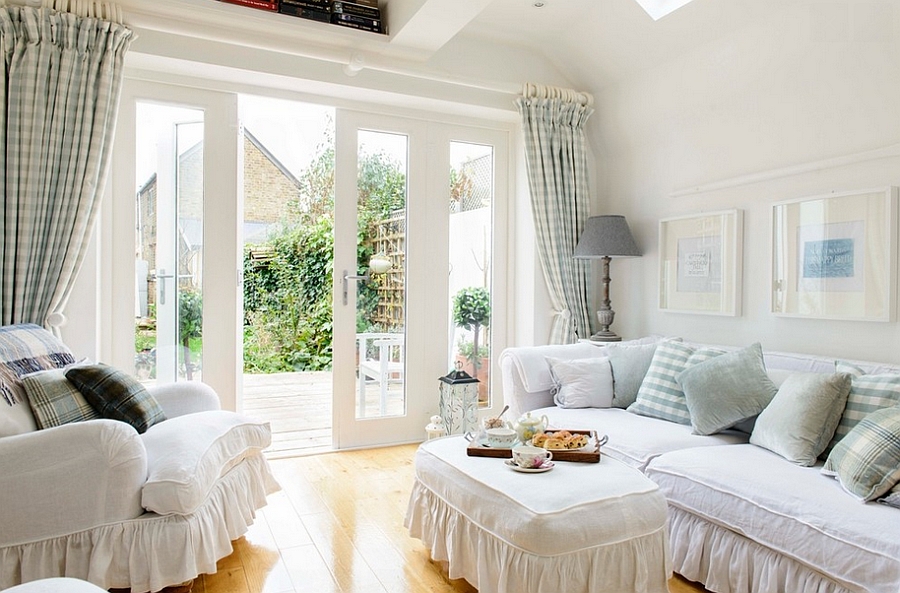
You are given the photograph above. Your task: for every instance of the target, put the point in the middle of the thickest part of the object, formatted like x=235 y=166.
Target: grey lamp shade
x=606 y=236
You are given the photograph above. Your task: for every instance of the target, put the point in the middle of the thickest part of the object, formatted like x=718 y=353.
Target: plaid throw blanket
x=24 y=349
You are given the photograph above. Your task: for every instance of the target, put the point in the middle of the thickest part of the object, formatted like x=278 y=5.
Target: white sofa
x=742 y=518
x=95 y=500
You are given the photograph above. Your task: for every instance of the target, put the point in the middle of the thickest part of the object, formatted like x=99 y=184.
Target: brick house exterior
x=269 y=187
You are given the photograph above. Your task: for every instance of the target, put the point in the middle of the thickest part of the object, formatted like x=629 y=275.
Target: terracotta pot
x=484 y=375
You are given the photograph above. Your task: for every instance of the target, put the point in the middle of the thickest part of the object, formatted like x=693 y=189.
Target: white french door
x=376 y=363
x=174 y=225
x=387 y=362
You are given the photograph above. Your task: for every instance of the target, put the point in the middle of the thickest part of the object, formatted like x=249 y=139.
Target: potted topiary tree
x=472 y=311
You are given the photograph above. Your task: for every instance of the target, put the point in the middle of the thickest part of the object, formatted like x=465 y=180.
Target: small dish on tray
x=545 y=467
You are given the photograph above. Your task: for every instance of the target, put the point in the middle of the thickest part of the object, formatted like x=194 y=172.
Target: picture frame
x=834 y=256
x=700 y=263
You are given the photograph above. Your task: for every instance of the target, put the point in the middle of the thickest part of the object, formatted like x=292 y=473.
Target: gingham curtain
x=62 y=80
x=553 y=122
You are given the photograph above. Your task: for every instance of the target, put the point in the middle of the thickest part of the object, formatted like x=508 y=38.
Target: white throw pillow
x=187 y=454
x=582 y=383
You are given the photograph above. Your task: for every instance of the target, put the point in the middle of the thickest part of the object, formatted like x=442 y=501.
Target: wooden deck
x=298 y=407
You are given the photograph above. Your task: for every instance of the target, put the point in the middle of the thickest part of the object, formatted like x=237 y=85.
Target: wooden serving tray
x=586 y=455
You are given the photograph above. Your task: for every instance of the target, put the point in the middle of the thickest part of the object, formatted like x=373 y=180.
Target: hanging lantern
x=459 y=401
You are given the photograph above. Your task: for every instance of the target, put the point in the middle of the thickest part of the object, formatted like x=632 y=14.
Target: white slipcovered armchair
x=95 y=500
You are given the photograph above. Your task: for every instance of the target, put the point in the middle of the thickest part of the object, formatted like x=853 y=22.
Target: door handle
x=162 y=285
x=347 y=278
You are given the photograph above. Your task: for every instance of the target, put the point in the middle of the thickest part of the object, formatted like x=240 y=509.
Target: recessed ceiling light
x=538 y=4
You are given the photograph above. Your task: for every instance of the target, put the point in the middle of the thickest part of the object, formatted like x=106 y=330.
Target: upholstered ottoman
x=579 y=528
x=55 y=585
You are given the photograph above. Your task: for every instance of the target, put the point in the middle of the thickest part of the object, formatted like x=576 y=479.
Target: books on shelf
x=323 y=5
x=357 y=9
x=313 y=14
x=307 y=9
x=359 y=14
x=357 y=22
x=261 y=4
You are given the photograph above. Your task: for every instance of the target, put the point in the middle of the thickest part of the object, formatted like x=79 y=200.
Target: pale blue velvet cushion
x=629 y=365
x=727 y=389
x=801 y=419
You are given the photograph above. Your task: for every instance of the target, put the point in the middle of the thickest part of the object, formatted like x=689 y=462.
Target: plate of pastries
x=560 y=440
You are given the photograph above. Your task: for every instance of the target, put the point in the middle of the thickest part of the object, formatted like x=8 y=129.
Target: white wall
x=819 y=80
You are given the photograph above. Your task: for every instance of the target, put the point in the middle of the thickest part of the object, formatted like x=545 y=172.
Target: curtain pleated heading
x=62 y=74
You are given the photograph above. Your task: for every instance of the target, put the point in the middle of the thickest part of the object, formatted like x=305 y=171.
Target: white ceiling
x=594 y=42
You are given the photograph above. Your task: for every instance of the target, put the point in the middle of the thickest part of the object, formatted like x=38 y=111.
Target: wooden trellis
x=390 y=240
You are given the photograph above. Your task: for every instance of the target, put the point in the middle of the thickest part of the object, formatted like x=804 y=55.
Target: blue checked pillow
x=660 y=396
x=868 y=393
x=116 y=395
x=867 y=460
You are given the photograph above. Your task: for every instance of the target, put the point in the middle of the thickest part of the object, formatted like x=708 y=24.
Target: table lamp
x=605 y=237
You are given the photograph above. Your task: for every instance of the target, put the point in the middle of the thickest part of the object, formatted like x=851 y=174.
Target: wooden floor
x=337 y=527
x=298 y=407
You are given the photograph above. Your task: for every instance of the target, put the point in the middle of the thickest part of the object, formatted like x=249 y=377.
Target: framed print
x=700 y=263
x=833 y=257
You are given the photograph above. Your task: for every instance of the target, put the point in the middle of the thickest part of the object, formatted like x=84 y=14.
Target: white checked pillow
x=868 y=393
x=187 y=454
x=867 y=461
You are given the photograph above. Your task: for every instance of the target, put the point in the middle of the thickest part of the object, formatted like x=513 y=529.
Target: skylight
x=660 y=8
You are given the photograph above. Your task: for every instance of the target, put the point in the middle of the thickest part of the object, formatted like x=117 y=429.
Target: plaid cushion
x=893 y=497
x=660 y=395
x=867 y=460
x=24 y=349
x=55 y=400
x=116 y=395
x=868 y=393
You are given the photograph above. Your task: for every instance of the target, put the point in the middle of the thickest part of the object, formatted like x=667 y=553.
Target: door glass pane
x=381 y=250
x=471 y=223
x=169 y=243
x=288 y=228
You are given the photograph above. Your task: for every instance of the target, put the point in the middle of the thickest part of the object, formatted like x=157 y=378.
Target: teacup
x=530 y=457
x=500 y=437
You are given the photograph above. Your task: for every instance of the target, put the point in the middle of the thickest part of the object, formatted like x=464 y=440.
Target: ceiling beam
x=427 y=25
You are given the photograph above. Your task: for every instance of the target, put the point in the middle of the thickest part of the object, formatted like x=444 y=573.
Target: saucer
x=545 y=467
